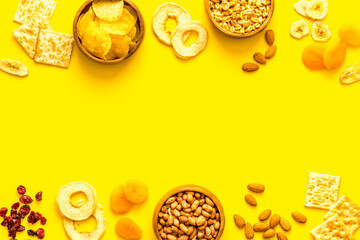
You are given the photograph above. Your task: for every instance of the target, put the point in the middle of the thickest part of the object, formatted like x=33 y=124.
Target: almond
x=265 y=215
x=274 y=221
x=261 y=227
x=270 y=53
x=269 y=233
x=239 y=221
x=300 y=218
x=250 y=67
x=259 y=58
x=249 y=231
x=270 y=37
x=285 y=224
x=256 y=187
x=281 y=236
x=250 y=200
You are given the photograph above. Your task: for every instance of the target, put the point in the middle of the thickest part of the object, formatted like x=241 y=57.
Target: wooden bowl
x=186 y=188
x=140 y=24
x=240 y=35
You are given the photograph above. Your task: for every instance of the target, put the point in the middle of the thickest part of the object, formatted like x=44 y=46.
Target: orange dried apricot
x=136 y=191
x=118 y=202
x=128 y=229
x=334 y=54
x=349 y=33
x=312 y=56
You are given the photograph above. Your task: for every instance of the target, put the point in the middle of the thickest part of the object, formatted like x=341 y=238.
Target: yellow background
x=172 y=122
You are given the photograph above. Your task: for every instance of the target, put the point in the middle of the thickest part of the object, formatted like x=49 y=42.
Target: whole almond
x=250 y=200
x=270 y=37
x=256 y=187
x=249 y=231
x=250 y=67
x=265 y=215
x=274 y=221
x=239 y=221
x=270 y=53
x=261 y=227
x=259 y=58
x=300 y=218
x=281 y=236
x=285 y=224
x=269 y=233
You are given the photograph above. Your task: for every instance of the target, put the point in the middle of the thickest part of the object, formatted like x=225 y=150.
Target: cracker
x=348 y=211
x=54 y=48
x=333 y=229
x=322 y=190
x=27 y=8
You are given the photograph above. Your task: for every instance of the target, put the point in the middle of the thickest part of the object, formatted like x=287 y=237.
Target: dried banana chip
x=317 y=9
x=351 y=74
x=13 y=67
x=299 y=29
x=320 y=32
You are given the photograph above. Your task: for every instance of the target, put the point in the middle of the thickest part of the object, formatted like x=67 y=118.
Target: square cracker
x=322 y=191
x=54 y=48
x=348 y=211
x=333 y=229
x=27 y=8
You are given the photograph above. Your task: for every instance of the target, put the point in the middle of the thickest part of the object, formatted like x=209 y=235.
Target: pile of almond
x=266 y=228
x=261 y=58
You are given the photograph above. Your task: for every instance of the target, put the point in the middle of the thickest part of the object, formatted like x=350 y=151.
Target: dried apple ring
x=163 y=14
x=98 y=232
x=179 y=46
x=76 y=212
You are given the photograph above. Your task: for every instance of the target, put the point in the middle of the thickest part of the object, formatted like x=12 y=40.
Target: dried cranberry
x=12 y=232
x=3 y=212
x=31 y=233
x=21 y=190
x=43 y=220
x=5 y=223
x=38 y=196
x=24 y=211
x=20 y=228
x=40 y=233
x=16 y=222
x=25 y=199
x=15 y=205
x=33 y=217
x=13 y=212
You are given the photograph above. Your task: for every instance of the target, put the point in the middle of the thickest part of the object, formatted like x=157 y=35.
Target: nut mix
x=189 y=215
x=240 y=16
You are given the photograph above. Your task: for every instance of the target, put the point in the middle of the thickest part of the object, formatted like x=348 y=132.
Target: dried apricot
x=118 y=202
x=349 y=33
x=312 y=56
x=334 y=55
x=136 y=191
x=128 y=229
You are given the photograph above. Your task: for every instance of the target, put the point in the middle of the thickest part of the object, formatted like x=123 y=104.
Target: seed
x=250 y=200
x=269 y=233
x=249 y=231
x=250 y=67
x=270 y=53
x=285 y=224
x=256 y=187
x=270 y=37
x=281 y=236
x=300 y=218
x=259 y=58
x=239 y=221
x=261 y=227
x=265 y=215
x=274 y=221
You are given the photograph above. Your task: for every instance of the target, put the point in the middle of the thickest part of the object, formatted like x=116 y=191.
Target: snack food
x=313 y=56
x=108 y=10
x=334 y=228
x=265 y=215
x=96 y=41
x=257 y=187
x=249 y=231
x=301 y=6
x=250 y=200
x=300 y=218
x=239 y=221
x=118 y=201
x=270 y=37
x=317 y=9
x=136 y=191
x=13 y=67
x=299 y=29
x=250 y=67
x=128 y=229
x=320 y=32
x=27 y=8
x=351 y=74
x=121 y=27
x=270 y=53
x=322 y=190
x=349 y=33
x=334 y=55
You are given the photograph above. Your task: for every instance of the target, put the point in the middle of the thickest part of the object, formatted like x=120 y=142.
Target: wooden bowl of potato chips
x=108 y=31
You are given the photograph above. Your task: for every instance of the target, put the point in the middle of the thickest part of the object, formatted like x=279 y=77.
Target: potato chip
x=96 y=41
x=132 y=33
x=121 y=26
x=108 y=10
x=119 y=47
x=131 y=11
x=84 y=22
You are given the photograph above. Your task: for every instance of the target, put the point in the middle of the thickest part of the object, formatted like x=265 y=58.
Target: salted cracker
x=322 y=191
x=332 y=229
x=54 y=48
x=27 y=8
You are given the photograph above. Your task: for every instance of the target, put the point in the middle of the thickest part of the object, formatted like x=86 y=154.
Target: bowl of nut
x=108 y=31
x=240 y=18
x=188 y=212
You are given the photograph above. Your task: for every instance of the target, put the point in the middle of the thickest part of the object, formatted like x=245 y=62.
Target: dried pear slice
x=351 y=74
x=299 y=29
x=317 y=9
x=76 y=213
x=163 y=14
x=98 y=232
x=181 y=50
x=320 y=32
x=13 y=67
x=301 y=6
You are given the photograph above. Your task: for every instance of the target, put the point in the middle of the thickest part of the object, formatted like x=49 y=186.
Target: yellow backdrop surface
x=172 y=122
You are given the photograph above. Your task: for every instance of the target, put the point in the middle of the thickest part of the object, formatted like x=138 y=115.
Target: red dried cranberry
x=25 y=199
x=33 y=217
x=13 y=212
x=16 y=222
x=21 y=190
x=15 y=205
x=20 y=228
x=40 y=233
x=43 y=220
x=24 y=211
x=3 y=212
x=5 y=223
x=12 y=232
x=31 y=233
x=38 y=196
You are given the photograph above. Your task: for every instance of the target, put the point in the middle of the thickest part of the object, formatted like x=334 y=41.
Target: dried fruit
x=33 y=217
x=285 y=225
x=40 y=233
x=38 y=196
x=250 y=67
x=21 y=190
x=249 y=231
x=31 y=233
x=15 y=206
x=351 y=74
x=317 y=9
x=43 y=220
x=118 y=202
x=3 y=212
x=259 y=58
x=256 y=187
x=24 y=211
x=274 y=221
x=281 y=236
x=136 y=191
x=250 y=200
x=313 y=56
x=300 y=218
x=261 y=227
x=21 y=228
x=301 y=6
x=25 y=199
x=265 y=215
x=334 y=55
x=128 y=229
x=270 y=53
x=269 y=233
x=270 y=37
x=349 y=33
x=320 y=32
x=299 y=29
x=239 y=221
x=13 y=67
